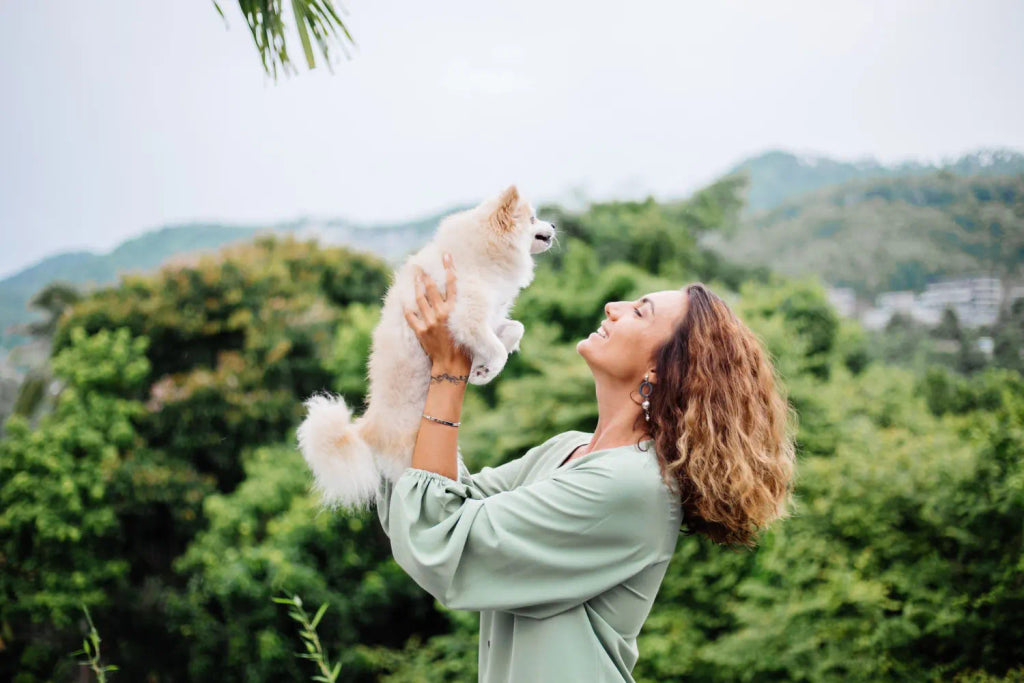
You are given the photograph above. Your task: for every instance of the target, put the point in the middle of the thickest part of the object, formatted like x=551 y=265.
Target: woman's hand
x=431 y=322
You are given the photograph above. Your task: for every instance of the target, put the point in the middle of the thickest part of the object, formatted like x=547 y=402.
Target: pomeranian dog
x=492 y=245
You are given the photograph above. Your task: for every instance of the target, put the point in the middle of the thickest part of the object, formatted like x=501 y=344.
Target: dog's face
x=514 y=222
x=543 y=233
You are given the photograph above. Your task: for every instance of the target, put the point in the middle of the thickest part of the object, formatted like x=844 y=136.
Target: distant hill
x=778 y=176
x=147 y=251
x=890 y=233
x=777 y=179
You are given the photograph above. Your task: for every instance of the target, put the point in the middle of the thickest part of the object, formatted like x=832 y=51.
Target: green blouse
x=562 y=562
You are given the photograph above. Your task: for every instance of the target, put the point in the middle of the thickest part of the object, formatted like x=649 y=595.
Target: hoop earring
x=646 y=405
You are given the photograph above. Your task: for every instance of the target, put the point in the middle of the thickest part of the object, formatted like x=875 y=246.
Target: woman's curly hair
x=722 y=428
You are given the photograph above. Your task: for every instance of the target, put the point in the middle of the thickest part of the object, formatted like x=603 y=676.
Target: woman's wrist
x=435 y=448
x=449 y=371
x=446 y=391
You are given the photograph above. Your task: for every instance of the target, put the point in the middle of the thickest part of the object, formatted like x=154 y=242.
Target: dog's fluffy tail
x=344 y=469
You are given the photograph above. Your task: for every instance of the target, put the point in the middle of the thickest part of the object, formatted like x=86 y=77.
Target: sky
x=118 y=117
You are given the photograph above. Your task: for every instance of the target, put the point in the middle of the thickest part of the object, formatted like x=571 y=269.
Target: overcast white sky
x=120 y=116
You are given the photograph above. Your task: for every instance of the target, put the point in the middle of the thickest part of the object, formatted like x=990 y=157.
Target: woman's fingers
x=432 y=305
x=449 y=283
x=426 y=309
x=433 y=296
x=414 y=320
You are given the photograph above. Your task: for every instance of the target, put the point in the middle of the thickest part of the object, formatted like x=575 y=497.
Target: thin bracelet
x=444 y=422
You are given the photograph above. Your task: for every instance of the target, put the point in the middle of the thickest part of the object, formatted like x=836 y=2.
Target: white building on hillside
x=888 y=304
x=975 y=300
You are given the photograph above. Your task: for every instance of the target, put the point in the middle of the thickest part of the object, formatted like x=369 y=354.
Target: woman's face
x=623 y=346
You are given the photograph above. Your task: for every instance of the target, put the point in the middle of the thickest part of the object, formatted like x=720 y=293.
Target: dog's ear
x=503 y=218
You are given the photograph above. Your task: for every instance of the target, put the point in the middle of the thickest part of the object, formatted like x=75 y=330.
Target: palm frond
x=313 y=18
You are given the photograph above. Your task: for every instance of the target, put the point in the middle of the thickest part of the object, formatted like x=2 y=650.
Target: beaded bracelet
x=444 y=422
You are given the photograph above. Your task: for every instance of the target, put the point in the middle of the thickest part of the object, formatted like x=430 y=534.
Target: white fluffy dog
x=492 y=245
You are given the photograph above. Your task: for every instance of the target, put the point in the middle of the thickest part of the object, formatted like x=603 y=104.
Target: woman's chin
x=586 y=343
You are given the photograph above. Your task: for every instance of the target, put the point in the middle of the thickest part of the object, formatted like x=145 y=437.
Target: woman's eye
x=637 y=311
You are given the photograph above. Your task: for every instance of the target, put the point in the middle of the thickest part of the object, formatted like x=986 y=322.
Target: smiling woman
x=723 y=430
x=563 y=550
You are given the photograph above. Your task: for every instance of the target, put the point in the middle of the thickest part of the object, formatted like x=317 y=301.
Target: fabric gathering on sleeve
x=491 y=480
x=487 y=482
x=534 y=550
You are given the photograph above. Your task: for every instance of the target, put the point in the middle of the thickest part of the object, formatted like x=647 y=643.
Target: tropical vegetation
x=165 y=494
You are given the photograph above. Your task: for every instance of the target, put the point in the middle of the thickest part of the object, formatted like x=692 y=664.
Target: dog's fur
x=492 y=246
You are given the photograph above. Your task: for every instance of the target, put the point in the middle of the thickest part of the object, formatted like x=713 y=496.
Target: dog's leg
x=469 y=325
x=510 y=332
x=489 y=358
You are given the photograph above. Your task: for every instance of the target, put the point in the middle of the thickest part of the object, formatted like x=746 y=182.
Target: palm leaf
x=315 y=20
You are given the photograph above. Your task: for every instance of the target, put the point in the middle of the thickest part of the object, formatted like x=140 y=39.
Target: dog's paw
x=482 y=373
x=510 y=333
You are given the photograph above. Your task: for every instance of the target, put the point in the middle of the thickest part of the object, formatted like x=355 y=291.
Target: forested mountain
x=773 y=178
x=890 y=233
x=777 y=176
x=147 y=251
x=165 y=491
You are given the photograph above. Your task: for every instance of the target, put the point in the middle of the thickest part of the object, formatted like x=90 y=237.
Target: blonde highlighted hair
x=722 y=427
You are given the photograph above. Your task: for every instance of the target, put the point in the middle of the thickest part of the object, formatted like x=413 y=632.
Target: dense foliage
x=165 y=491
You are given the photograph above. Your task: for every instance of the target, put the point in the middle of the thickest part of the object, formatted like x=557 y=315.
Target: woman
x=563 y=550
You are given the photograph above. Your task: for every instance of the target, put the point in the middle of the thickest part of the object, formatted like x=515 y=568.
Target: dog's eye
x=533 y=219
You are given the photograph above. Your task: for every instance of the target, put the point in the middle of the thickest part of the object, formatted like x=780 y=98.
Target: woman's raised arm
x=436 y=442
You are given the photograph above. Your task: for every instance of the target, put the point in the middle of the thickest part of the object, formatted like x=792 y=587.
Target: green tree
x=86 y=510
x=238 y=340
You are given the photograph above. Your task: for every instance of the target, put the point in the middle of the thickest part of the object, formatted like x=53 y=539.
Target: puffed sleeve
x=535 y=550
x=491 y=480
x=487 y=482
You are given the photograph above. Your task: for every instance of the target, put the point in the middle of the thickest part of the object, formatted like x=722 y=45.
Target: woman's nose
x=609 y=309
